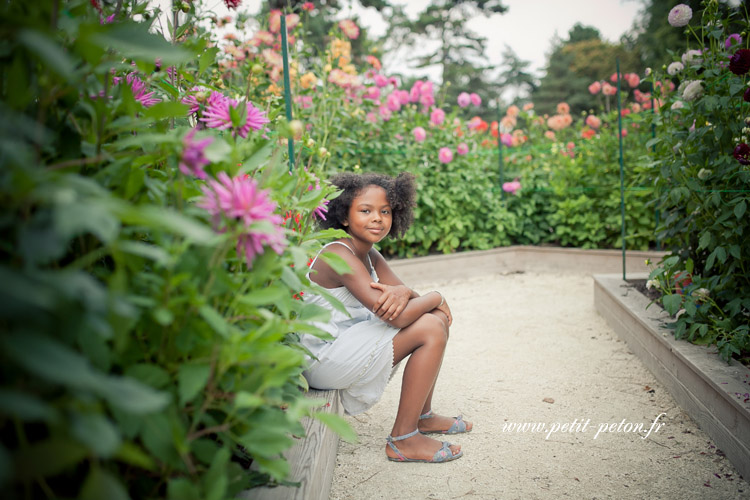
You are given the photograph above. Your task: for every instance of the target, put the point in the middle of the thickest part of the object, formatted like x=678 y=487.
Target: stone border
x=313 y=459
x=701 y=383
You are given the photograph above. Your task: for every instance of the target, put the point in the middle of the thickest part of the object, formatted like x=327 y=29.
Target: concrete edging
x=708 y=389
x=312 y=459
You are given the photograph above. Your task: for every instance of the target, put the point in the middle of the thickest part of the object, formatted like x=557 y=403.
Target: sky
x=528 y=27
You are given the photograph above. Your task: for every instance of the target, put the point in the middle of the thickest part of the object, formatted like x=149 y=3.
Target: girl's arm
x=358 y=283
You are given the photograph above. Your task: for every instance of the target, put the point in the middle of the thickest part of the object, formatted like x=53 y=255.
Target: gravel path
x=530 y=348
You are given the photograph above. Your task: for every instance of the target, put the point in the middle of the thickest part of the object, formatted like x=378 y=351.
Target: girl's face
x=370 y=217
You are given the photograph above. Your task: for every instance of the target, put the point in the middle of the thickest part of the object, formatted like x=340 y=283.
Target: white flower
x=677 y=105
x=693 y=90
x=701 y=293
x=651 y=284
x=692 y=56
x=704 y=174
x=733 y=4
x=680 y=15
x=647 y=72
x=675 y=68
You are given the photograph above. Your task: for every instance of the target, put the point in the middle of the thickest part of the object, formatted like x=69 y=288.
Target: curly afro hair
x=401 y=194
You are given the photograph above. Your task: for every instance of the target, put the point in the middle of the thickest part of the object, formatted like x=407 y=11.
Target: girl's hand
x=447 y=311
x=392 y=301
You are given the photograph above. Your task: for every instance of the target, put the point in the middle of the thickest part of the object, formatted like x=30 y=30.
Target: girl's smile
x=370 y=216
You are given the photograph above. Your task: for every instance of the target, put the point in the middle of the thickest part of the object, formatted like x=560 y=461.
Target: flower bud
x=296 y=128
x=322 y=152
x=185 y=7
x=257 y=69
x=310 y=142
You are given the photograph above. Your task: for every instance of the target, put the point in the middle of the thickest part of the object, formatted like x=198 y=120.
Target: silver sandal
x=444 y=454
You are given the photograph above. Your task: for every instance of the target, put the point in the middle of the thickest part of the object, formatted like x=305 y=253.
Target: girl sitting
x=387 y=321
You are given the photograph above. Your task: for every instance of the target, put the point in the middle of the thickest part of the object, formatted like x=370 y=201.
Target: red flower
x=308 y=6
x=739 y=63
x=742 y=153
x=232 y=4
x=746 y=95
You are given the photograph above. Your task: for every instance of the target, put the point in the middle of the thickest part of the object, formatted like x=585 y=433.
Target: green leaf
x=739 y=209
x=133 y=40
x=182 y=489
x=152 y=375
x=245 y=399
x=163 y=218
x=132 y=454
x=101 y=484
x=314 y=313
x=215 y=320
x=218 y=151
x=25 y=407
x=98 y=433
x=49 y=52
x=337 y=263
x=265 y=296
x=337 y=424
x=266 y=442
x=48 y=458
x=166 y=109
x=140 y=249
x=704 y=240
x=191 y=379
x=206 y=59
x=133 y=397
x=215 y=480
x=6 y=466
x=672 y=303
x=73 y=219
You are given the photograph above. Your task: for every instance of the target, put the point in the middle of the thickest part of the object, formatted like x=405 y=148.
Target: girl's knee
x=434 y=327
x=444 y=319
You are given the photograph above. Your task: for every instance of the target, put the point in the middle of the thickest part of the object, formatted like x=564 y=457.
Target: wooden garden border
x=708 y=389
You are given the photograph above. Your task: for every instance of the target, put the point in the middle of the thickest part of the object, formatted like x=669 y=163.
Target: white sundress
x=359 y=361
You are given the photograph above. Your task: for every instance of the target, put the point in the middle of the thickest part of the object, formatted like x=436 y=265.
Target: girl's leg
x=437 y=422
x=425 y=340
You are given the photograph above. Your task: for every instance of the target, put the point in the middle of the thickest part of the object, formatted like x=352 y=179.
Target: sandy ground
x=530 y=348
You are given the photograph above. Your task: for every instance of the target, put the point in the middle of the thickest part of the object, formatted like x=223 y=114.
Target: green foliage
x=142 y=355
x=704 y=190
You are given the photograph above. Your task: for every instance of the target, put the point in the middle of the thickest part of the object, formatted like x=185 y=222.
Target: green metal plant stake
x=622 y=168
x=287 y=88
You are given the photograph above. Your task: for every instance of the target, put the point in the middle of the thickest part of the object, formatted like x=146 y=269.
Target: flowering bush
x=149 y=334
x=700 y=170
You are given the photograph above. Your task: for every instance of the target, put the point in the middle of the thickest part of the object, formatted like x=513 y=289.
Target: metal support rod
x=622 y=167
x=500 y=151
x=653 y=148
x=287 y=86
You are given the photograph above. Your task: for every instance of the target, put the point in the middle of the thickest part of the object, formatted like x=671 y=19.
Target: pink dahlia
x=350 y=29
x=445 y=155
x=138 y=87
x=194 y=155
x=475 y=99
x=512 y=187
x=464 y=99
x=595 y=88
x=593 y=121
x=393 y=102
x=419 y=134
x=218 y=115
x=733 y=40
x=380 y=80
x=232 y=4
x=462 y=149
x=240 y=199
x=437 y=117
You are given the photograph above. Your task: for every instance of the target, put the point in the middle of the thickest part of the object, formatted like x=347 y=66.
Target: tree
x=460 y=53
x=515 y=77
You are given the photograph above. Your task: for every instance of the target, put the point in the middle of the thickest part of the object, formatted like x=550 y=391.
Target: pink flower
x=464 y=99
x=304 y=101
x=194 y=99
x=194 y=155
x=372 y=93
x=393 y=102
x=613 y=78
x=218 y=115
x=308 y=6
x=240 y=199
x=385 y=113
x=512 y=187
x=371 y=117
x=475 y=99
x=380 y=80
x=403 y=96
x=595 y=87
x=138 y=87
x=633 y=79
x=419 y=134
x=732 y=40
x=232 y=4
x=506 y=139
x=608 y=89
x=437 y=117
x=513 y=111
x=593 y=121
x=374 y=62
x=624 y=132
x=445 y=155
x=350 y=29
x=563 y=108
x=462 y=149
x=274 y=21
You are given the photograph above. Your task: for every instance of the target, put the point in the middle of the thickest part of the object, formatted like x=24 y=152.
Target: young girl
x=387 y=321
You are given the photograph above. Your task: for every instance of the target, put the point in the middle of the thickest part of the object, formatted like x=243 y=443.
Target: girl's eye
x=365 y=211
x=386 y=212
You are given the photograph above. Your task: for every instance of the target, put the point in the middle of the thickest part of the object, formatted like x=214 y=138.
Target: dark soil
x=640 y=285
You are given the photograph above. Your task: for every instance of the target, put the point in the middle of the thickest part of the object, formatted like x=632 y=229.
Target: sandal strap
x=458 y=425
x=427 y=415
x=401 y=438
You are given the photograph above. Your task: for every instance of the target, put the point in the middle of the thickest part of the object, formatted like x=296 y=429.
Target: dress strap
x=327 y=245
